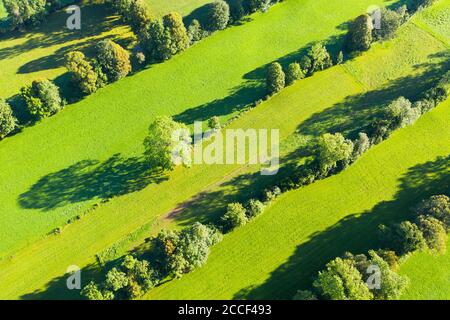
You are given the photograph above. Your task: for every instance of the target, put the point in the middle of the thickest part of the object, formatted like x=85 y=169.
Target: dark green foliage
x=332 y=148
x=134 y=12
x=113 y=60
x=276 y=78
x=237 y=11
x=415 y=5
x=254 y=208
x=294 y=72
x=92 y=292
x=218 y=16
x=195 y=32
x=305 y=295
x=7 y=121
x=214 y=123
x=234 y=217
x=320 y=58
x=359 y=37
x=83 y=73
x=42 y=98
x=252 y=6
x=437 y=207
x=341 y=280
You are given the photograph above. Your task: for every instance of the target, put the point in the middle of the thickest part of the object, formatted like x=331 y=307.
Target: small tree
x=276 y=78
x=359 y=37
x=341 y=281
x=116 y=280
x=401 y=113
x=83 y=73
x=218 y=16
x=403 y=238
x=234 y=217
x=7 y=121
x=332 y=148
x=294 y=72
x=434 y=233
x=255 y=208
x=25 y=11
x=437 y=207
x=138 y=15
x=361 y=145
x=389 y=24
x=42 y=98
x=168 y=144
x=195 y=32
x=92 y=292
x=113 y=60
x=237 y=11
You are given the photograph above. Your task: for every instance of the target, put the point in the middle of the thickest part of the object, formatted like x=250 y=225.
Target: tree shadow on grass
x=89 y=179
x=356 y=233
x=356 y=112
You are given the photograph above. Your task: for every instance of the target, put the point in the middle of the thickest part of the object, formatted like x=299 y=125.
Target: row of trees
x=380 y=25
x=351 y=277
x=174 y=253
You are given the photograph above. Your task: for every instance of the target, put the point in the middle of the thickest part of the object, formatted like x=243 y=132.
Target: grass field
x=85 y=135
x=85 y=155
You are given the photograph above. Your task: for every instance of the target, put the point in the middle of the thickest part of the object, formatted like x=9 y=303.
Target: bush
x=218 y=16
x=92 y=292
x=174 y=26
x=255 y=208
x=271 y=194
x=116 y=280
x=361 y=145
x=234 y=217
x=214 y=123
x=276 y=79
x=401 y=113
x=341 y=281
x=22 y=12
x=294 y=72
x=320 y=58
x=434 y=233
x=113 y=60
x=195 y=32
x=42 y=98
x=7 y=121
x=237 y=11
x=437 y=207
x=304 y=295
x=252 y=6
x=83 y=73
x=359 y=37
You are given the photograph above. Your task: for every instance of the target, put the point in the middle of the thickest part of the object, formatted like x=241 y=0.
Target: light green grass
x=184 y=7
x=115 y=119
x=429 y=275
x=2 y=10
x=436 y=20
x=282 y=250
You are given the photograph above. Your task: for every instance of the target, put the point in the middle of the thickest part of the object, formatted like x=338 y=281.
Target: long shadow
x=356 y=233
x=90 y=179
x=356 y=112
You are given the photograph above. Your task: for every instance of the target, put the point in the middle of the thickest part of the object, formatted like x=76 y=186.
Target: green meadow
x=86 y=161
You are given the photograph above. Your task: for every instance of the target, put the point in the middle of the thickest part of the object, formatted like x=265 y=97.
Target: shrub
x=434 y=233
x=361 y=145
x=214 y=123
x=341 y=281
x=294 y=72
x=403 y=238
x=271 y=194
x=401 y=113
x=251 y=6
x=113 y=60
x=340 y=58
x=42 y=98
x=83 y=73
x=7 y=121
x=237 y=11
x=174 y=26
x=25 y=11
x=234 y=217
x=359 y=37
x=276 y=78
x=92 y=292
x=161 y=146
x=255 y=208
x=218 y=16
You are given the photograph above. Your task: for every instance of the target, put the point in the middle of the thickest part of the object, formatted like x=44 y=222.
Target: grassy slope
x=110 y=122
x=184 y=7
